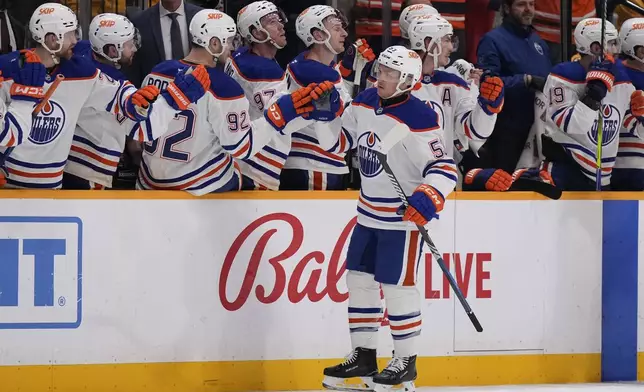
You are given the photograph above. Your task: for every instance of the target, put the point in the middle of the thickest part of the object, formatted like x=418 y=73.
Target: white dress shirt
x=166 y=23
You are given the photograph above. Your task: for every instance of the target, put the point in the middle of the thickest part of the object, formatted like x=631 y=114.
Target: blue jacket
x=511 y=52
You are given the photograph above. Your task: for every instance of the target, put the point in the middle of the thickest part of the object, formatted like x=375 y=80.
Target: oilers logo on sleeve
x=612 y=120
x=369 y=165
x=47 y=124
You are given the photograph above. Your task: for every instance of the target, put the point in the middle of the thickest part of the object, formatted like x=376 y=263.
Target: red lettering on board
x=335 y=268
x=462 y=272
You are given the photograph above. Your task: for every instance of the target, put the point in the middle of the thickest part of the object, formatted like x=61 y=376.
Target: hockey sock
x=403 y=305
x=365 y=309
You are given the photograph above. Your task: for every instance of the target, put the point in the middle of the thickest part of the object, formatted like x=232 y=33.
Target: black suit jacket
x=152 y=51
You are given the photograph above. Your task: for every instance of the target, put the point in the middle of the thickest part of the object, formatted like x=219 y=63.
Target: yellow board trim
x=292 y=195
x=291 y=375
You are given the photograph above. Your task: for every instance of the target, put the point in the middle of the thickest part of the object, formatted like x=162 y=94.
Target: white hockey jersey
x=197 y=154
x=15 y=116
x=630 y=154
x=39 y=161
x=464 y=123
x=419 y=158
x=262 y=80
x=310 y=145
x=99 y=138
x=573 y=125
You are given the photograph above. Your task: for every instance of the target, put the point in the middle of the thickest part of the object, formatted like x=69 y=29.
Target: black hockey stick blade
x=542 y=188
x=382 y=158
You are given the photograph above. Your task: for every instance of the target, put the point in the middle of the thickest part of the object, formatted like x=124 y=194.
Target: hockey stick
x=358 y=66
x=395 y=135
x=48 y=94
x=600 y=116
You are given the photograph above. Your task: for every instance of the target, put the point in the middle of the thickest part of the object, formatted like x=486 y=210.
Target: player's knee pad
x=403 y=308
x=365 y=309
x=363 y=289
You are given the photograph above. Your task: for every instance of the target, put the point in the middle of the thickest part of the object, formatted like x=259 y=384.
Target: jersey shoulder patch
x=442 y=77
x=224 y=86
x=306 y=71
x=571 y=71
x=256 y=68
x=416 y=115
x=169 y=68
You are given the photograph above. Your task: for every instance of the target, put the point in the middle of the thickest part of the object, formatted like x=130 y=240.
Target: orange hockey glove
x=187 y=88
x=637 y=103
x=424 y=205
x=28 y=81
x=288 y=107
x=492 y=94
x=496 y=180
x=138 y=104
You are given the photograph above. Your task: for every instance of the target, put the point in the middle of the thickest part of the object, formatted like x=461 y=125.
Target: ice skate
x=399 y=376
x=354 y=374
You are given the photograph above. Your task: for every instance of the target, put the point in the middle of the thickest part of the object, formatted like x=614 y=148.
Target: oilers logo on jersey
x=612 y=120
x=369 y=164
x=48 y=124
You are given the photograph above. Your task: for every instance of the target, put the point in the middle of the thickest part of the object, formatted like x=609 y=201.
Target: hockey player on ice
x=466 y=120
x=628 y=173
x=39 y=157
x=577 y=93
x=385 y=247
x=261 y=24
x=99 y=138
x=316 y=160
x=197 y=153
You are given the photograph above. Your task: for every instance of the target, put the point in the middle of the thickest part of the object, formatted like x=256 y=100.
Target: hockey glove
x=599 y=81
x=496 y=180
x=491 y=97
x=637 y=105
x=187 y=88
x=288 y=107
x=359 y=48
x=29 y=79
x=327 y=102
x=137 y=105
x=424 y=205
x=535 y=83
x=535 y=180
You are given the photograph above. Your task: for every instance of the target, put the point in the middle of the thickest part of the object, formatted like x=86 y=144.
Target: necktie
x=175 y=37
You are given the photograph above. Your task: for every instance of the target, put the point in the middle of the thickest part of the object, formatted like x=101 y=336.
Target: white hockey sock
x=403 y=307
x=365 y=309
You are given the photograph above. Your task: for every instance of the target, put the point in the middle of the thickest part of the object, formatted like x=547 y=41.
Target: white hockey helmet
x=112 y=29
x=406 y=62
x=251 y=15
x=313 y=18
x=411 y=12
x=589 y=31
x=56 y=19
x=208 y=24
x=434 y=27
x=631 y=35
